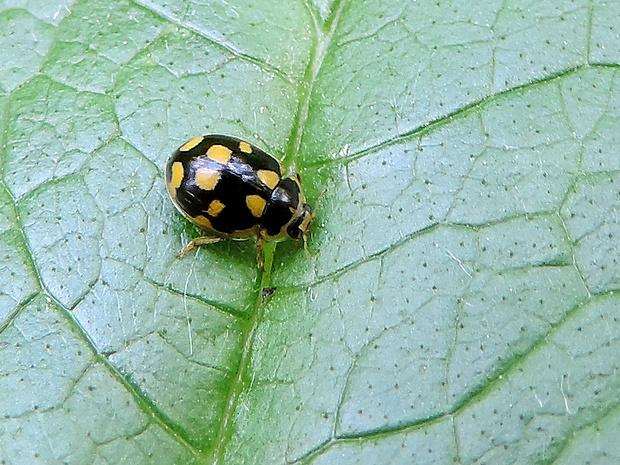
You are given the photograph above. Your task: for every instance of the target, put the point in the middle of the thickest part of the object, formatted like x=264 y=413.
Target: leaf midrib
x=321 y=43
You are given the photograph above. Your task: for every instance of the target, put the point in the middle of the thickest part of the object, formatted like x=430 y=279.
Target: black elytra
x=230 y=188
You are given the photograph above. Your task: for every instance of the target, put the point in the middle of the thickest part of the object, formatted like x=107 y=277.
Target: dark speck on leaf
x=267 y=291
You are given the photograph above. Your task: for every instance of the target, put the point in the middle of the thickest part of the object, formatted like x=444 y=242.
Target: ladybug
x=231 y=189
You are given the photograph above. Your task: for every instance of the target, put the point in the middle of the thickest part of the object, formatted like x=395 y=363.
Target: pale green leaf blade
x=461 y=304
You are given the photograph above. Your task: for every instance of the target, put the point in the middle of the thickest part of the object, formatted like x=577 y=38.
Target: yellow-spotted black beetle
x=231 y=189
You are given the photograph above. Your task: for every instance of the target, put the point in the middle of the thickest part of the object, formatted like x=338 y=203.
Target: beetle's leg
x=305 y=241
x=260 y=239
x=199 y=241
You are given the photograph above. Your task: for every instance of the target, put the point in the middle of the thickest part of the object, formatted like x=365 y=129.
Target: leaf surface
x=462 y=301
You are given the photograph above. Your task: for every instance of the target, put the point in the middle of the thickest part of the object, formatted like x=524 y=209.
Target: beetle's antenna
x=318 y=200
x=305 y=230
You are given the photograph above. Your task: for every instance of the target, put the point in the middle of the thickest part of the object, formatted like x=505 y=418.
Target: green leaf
x=461 y=305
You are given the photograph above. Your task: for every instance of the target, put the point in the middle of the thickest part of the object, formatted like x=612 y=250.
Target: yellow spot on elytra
x=176 y=178
x=202 y=222
x=191 y=144
x=207 y=178
x=215 y=208
x=219 y=153
x=269 y=178
x=256 y=204
x=245 y=147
